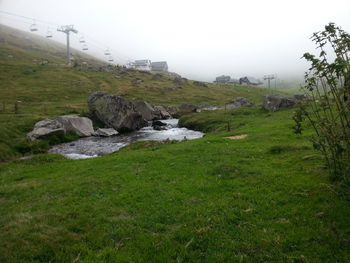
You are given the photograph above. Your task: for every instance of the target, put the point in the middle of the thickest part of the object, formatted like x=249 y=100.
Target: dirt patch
x=237 y=137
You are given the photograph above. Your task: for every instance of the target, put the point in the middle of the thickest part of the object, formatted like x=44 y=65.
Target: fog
x=198 y=39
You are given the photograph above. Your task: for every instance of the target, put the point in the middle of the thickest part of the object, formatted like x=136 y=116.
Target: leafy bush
x=34 y=147
x=43 y=145
x=328 y=105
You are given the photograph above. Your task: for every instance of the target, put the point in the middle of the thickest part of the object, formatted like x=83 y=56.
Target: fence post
x=17 y=107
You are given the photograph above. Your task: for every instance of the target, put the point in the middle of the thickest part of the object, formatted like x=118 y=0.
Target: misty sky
x=198 y=39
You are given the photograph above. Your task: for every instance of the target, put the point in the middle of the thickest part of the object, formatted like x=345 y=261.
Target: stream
x=90 y=147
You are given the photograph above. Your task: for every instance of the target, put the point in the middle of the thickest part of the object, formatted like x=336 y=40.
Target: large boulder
x=162 y=113
x=46 y=128
x=81 y=126
x=115 y=111
x=146 y=110
x=275 y=102
x=238 y=103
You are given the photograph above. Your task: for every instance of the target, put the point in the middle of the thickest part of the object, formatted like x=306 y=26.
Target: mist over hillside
x=199 y=40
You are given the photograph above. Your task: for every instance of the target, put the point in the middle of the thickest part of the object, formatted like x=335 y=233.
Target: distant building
x=250 y=81
x=159 y=66
x=222 y=79
x=144 y=64
x=233 y=81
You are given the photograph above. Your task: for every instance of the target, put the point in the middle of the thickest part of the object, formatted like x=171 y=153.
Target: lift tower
x=67 y=29
x=269 y=78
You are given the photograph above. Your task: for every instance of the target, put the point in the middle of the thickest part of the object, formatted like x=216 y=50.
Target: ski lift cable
x=101 y=49
x=97 y=43
x=17 y=20
x=29 y=18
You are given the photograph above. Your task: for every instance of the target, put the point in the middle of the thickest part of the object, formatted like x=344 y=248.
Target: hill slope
x=46 y=90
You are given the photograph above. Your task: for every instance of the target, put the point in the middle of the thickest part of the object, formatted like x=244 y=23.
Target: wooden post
x=228 y=125
x=17 y=107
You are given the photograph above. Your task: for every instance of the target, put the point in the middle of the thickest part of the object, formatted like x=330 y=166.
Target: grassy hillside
x=23 y=47
x=53 y=89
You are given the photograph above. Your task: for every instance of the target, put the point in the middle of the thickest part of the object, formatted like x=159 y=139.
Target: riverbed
x=90 y=147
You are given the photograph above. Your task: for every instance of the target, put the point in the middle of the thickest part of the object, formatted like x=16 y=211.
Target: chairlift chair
x=85 y=47
x=110 y=59
x=82 y=39
x=107 y=52
x=33 y=27
x=48 y=34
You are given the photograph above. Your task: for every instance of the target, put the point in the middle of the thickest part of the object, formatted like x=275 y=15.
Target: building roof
x=251 y=80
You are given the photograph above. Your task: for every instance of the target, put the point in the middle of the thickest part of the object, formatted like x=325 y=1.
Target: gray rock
x=46 y=128
x=158 y=123
x=162 y=112
x=81 y=126
x=200 y=84
x=187 y=107
x=173 y=88
x=115 y=111
x=238 y=103
x=275 y=102
x=180 y=80
x=159 y=128
x=146 y=110
x=300 y=97
x=172 y=109
x=105 y=132
x=157 y=76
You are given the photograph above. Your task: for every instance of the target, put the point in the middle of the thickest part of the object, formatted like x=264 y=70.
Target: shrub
x=327 y=85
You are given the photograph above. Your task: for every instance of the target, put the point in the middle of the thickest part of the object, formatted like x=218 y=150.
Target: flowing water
x=91 y=147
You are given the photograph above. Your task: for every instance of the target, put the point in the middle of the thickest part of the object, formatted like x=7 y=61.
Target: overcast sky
x=199 y=39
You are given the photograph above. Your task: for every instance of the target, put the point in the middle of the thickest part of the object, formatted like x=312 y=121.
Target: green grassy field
x=264 y=198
